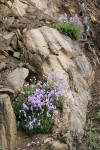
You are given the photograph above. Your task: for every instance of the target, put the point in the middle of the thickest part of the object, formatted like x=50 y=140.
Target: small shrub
x=1 y=147
x=92 y=137
x=36 y=105
x=71 y=27
x=98 y=112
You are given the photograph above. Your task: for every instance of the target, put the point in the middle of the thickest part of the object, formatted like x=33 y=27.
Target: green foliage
x=37 y=103
x=1 y=148
x=98 y=112
x=59 y=103
x=70 y=29
x=93 y=137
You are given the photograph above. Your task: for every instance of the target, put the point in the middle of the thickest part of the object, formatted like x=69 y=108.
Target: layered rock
x=47 y=7
x=17 y=77
x=48 y=52
x=18 y=8
x=8 y=129
x=62 y=55
x=8 y=126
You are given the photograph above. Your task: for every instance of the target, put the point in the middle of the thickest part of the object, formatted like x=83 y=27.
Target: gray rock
x=30 y=10
x=2 y=46
x=1 y=86
x=56 y=145
x=37 y=43
x=4 y=53
x=16 y=55
x=2 y=1
x=8 y=38
x=17 y=77
x=51 y=40
x=85 y=68
x=10 y=21
x=45 y=6
x=61 y=55
x=8 y=129
x=14 y=42
x=9 y=4
x=5 y=10
x=44 y=39
x=18 y=8
x=2 y=65
x=10 y=49
x=30 y=68
x=6 y=90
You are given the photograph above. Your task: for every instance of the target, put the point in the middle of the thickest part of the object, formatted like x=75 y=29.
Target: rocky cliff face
x=29 y=45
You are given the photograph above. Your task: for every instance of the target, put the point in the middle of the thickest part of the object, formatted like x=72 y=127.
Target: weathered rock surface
x=85 y=68
x=62 y=55
x=6 y=90
x=18 y=8
x=8 y=129
x=9 y=37
x=50 y=39
x=38 y=42
x=55 y=145
x=2 y=65
x=47 y=7
x=17 y=77
x=23 y=31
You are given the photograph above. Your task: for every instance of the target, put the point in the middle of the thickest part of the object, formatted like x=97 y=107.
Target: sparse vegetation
x=98 y=112
x=1 y=148
x=93 y=140
x=71 y=27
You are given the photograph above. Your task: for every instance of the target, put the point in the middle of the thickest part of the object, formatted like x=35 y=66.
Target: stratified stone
x=2 y=65
x=47 y=7
x=18 y=8
x=16 y=55
x=6 y=90
x=8 y=129
x=64 y=57
x=85 y=68
x=36 y=41
x=17 y=77
x=8 y=38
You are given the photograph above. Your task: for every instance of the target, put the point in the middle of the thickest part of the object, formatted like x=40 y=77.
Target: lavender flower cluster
x=73 y=19
x=63 y=18
x=36 y=106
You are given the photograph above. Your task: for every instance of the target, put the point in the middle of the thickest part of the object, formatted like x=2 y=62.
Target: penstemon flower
x=63 y=18
x=75 y=20
x=35 y=112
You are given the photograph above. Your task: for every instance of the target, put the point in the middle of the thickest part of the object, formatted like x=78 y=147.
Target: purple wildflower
x=75 y=20
x=58 y=76
x=41 y=101
x=63 y=18
x=30 y=124
x=56 y=111
x=49 y=78
x=25 y=106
